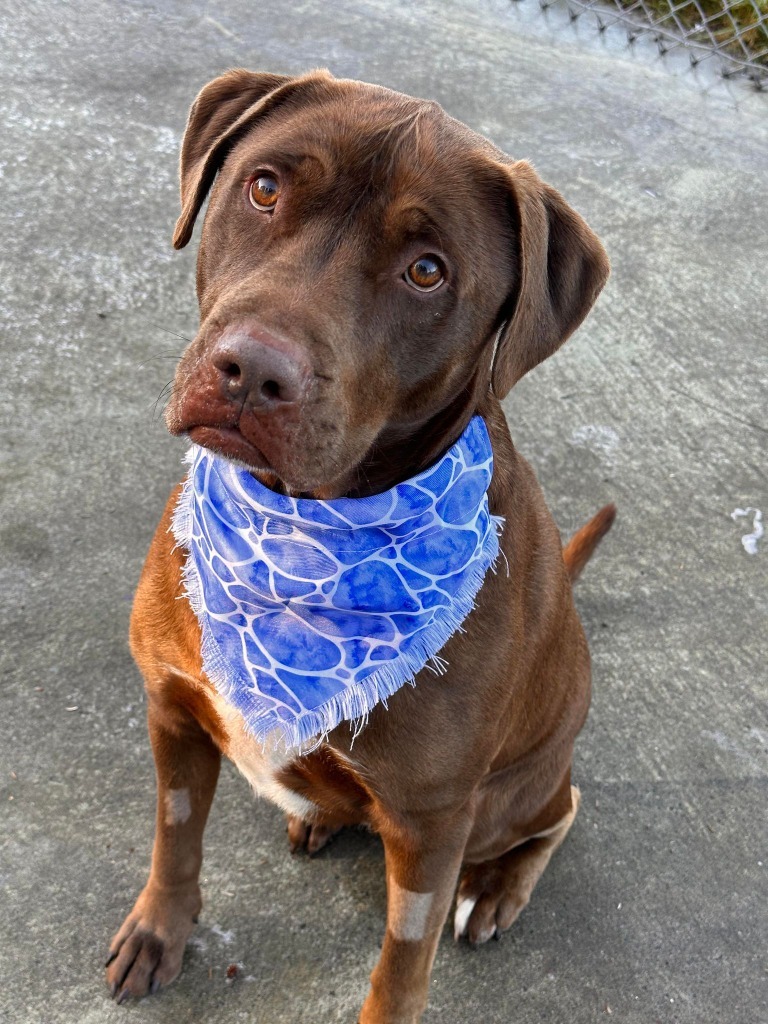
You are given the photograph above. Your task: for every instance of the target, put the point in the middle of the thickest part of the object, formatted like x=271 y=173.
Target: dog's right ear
x=212 y=118
x=221 y=111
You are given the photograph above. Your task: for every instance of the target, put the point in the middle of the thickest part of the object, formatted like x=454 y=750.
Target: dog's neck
x=400 y=452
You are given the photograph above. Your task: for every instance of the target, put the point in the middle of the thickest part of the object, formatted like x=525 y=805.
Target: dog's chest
x=262 y=766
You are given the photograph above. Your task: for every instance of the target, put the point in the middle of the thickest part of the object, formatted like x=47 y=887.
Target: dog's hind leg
x=492 y=894
x=147 y=951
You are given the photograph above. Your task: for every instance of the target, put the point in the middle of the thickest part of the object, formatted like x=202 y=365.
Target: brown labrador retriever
x=372 y=274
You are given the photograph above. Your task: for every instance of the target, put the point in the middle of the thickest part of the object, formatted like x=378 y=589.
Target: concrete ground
x=655 y=909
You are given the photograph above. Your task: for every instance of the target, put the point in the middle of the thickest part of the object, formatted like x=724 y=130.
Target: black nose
x=260 y=368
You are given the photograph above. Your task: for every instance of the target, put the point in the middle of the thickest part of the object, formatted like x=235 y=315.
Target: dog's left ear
x=562 y=268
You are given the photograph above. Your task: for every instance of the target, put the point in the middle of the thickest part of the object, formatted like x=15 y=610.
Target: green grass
x=752 y=22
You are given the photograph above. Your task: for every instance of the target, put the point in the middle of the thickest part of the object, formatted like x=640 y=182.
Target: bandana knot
x=312 y=612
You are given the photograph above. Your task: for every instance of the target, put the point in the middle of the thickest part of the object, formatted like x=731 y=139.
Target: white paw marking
x=407 y=912
x=461 y=919
x=177 y=806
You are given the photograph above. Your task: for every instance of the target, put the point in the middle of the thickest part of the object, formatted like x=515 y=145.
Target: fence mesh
x=734 y=32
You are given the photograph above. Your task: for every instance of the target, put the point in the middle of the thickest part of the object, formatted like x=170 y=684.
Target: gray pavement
x=655 y=910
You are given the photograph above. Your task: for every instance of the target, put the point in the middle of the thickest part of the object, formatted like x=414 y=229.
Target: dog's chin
x=229 y=443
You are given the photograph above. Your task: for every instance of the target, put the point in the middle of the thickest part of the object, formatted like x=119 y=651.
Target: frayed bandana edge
x=356 y=698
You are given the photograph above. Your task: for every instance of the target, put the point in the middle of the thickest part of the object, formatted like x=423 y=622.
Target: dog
x=372 y=275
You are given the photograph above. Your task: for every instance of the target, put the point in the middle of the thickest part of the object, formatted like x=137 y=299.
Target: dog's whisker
x=165 y=393
x=167 y=330
x=150 y=359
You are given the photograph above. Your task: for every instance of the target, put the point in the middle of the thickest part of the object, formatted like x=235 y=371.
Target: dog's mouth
x=273 y=467
x=303 y=448
x=217 y=429
x=229 y=443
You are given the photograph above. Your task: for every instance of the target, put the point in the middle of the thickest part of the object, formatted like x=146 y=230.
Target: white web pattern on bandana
x=314 y=611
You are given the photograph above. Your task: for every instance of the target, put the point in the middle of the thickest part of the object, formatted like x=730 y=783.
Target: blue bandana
x=312 y=612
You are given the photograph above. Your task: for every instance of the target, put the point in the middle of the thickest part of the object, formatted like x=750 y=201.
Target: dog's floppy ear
x=222 y=110
x=562 y=267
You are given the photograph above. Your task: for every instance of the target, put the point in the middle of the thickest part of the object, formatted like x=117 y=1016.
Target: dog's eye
x=426 y=273
x=264 y=192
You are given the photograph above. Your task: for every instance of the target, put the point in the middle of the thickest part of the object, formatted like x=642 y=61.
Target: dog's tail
x=580 y=548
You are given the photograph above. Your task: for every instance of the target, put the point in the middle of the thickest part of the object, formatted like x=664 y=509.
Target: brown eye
x=264 y=192
x=426 y=273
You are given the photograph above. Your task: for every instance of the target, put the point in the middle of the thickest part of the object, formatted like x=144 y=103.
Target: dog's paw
x=489 y=901
x=309 y=837
x=492 y=895
x=484 y=917
x=146 y=953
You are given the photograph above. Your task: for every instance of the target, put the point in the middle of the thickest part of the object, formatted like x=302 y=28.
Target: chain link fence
x=732 y=32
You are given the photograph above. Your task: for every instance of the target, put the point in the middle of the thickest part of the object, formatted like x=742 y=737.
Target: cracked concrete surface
x=655 y=906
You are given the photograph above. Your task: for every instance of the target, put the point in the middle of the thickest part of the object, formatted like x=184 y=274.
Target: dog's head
x=368 y=268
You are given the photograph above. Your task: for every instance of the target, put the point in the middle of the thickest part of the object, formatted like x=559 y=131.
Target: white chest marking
x=407 y=912
x=258 y=762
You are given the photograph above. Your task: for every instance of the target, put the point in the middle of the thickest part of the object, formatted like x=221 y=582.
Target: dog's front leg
x=147 y=951
x=423 y=856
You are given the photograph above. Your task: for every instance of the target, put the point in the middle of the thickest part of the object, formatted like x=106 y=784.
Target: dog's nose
x=260 y=368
